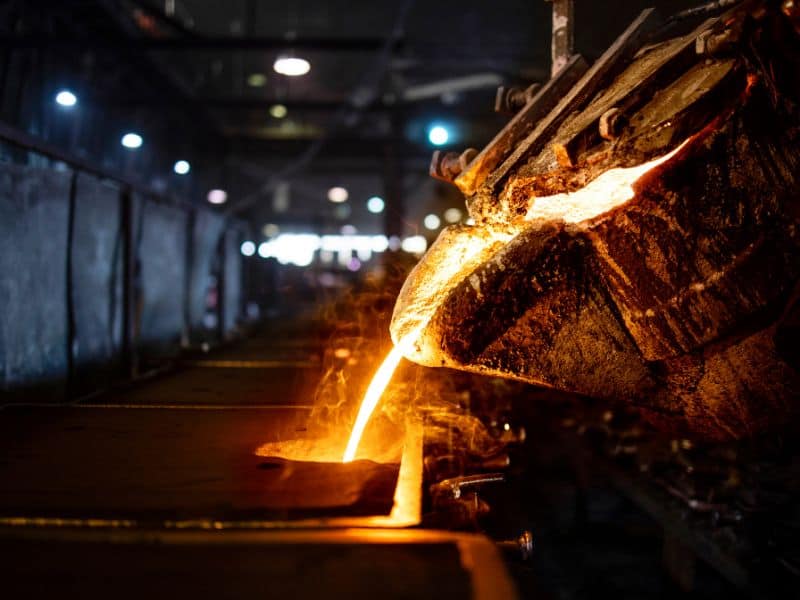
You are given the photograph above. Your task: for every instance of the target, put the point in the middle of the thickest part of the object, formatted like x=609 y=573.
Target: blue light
x=66 y=98
x=248 y=248
x=438 y=135
x=131 y=140
x=375 y=205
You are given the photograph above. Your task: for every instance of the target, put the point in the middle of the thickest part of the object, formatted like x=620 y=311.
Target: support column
x=562 y=40
x=394 y=211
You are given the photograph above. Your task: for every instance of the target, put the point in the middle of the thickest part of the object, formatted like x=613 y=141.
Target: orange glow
x=459 y=251
x=374 y=392
x=609 y=190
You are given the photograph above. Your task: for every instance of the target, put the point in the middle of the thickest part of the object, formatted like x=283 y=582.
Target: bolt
x=610 y=124
x=466 y=158
x=710 y=43
x=522 y=546
x=701 y=43
x=455 y=486
x=501 y=461
x=508 y=100
x=444 y=165
x=447 y=165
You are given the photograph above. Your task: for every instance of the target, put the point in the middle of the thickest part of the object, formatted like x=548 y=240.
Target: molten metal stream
x=379 y=382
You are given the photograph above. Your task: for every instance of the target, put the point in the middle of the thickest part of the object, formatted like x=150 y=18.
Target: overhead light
x=342 y=211
x=66 y=98
x=278 y=111
x=291 y=66
x=291 y=248
x=416 y=244
x=379 y=243
x=131 y=140
x=451 y=86
x=438 y=135
x=338 y=194
x=375 y=205
x=432 y=222
x=256 y=80
x=182 y=167
x=270 y=230
x=281 y=197
x=348 y=230
x=217 y=196
x=452 y=215
x=248 y=248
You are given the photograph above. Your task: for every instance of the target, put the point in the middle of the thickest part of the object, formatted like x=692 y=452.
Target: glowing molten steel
x=609 y=190
x=374 y=392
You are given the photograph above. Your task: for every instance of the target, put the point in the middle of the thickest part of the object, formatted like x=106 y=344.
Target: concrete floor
x=182 y=445
x=93 y=495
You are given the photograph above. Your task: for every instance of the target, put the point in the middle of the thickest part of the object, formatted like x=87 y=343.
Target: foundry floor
x=120 y=497
x=180 y=445
x=95 y=496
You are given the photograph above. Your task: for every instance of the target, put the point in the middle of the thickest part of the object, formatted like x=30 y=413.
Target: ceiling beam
x=468 y=110
x=125 y=34
x=228 y=102
x=216 y=43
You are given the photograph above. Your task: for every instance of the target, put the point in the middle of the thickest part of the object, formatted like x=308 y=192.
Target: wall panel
x=96 y=280
x=34 y=212
x=162 y=258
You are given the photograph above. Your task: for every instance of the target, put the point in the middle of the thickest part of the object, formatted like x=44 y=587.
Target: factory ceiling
x=198 y=79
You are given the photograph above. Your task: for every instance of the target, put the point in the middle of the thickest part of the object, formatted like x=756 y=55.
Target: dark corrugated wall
x=34 y=212
x=62 y=289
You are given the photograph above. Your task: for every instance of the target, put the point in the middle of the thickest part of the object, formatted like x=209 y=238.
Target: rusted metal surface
x=676 y=298
x=607 y=65
x=523 y=122
x=628 y=93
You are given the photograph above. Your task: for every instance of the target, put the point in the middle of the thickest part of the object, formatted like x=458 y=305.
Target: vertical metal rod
x=188 y=274
x=5 y=65
x=18 y=113
x=222 y=247
x=562 y=40
x=70 y=300
x=128 y=349
x=394 y=210
x=8 y=56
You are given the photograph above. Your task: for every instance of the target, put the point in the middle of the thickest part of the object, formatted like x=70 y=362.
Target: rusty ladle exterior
x=682 y=301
